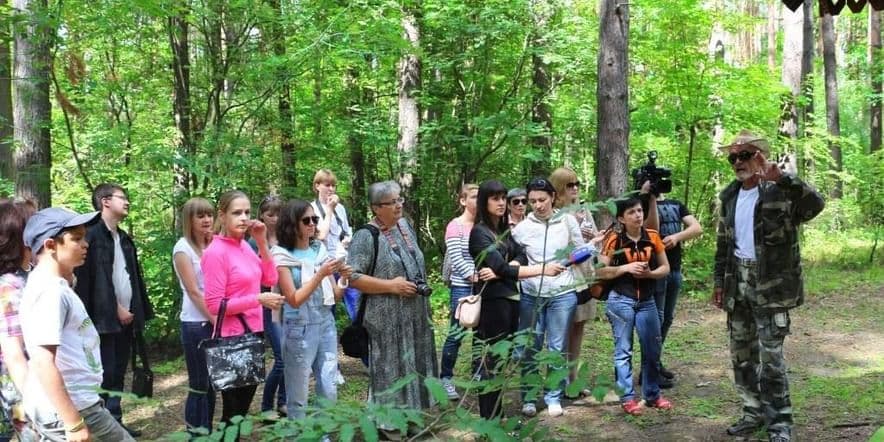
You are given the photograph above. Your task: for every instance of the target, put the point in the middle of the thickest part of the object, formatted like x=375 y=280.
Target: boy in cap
x=65 y=372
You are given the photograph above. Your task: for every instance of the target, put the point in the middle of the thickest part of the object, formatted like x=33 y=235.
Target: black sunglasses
x=540 y=184
x=519 y=201
x=307 y=220
x=574 y=184
x=743 y=156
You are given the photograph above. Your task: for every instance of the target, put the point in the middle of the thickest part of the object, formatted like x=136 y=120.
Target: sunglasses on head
x=574 y=184
x=308 y=220
x=743 y=156
x=519 y=201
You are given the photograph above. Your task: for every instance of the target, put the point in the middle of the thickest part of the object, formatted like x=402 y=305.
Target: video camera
x=658 y=176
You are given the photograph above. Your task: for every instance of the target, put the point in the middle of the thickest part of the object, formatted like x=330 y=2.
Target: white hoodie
x=559 y=232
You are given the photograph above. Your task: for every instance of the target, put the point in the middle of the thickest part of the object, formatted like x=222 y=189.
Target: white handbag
x=468 y=310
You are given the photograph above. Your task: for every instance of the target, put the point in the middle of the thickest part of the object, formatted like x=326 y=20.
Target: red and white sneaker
x=632 y=406
x=661 y=403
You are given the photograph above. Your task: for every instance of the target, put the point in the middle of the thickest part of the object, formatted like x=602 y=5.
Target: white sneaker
x=555 y=410
x=529 y=409
x=340 y=378
x=449 y=389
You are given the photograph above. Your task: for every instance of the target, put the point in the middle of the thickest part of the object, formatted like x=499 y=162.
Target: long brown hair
x=560 y=179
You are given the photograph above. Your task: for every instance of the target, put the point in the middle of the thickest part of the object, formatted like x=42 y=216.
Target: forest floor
x=835 y=356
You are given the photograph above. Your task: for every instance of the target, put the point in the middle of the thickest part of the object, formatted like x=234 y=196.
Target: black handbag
x=354 y=338
x=142 y=377
x=234 y=361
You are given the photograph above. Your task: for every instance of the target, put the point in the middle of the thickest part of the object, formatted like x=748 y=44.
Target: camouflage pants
x=756 y=346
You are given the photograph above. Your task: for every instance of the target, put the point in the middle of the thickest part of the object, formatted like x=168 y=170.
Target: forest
x=180 y=98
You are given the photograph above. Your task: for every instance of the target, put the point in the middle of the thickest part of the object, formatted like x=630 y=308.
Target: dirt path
x=836 y=370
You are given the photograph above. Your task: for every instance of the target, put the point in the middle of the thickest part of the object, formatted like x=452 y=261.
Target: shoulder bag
x=233 y=361
x=354 y=339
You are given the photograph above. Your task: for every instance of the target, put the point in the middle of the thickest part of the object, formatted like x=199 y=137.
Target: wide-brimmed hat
x=746 y=137
x=48 y=223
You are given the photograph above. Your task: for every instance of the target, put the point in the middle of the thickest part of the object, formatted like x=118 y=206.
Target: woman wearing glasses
x=547 y=303
x=517 y=204
x=397 y=308
x=568 y=199
x=305 y=272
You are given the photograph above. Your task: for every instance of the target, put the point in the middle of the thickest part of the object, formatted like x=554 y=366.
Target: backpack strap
x=375 y=233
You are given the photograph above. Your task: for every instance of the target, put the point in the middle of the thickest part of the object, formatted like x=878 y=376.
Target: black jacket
x=489 y=251
x=95 y=281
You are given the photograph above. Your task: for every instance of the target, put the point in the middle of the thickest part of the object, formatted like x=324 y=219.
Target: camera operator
x=677 y=225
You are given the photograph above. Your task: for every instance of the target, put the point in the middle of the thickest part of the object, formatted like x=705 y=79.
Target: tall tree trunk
x=793 y=48
x=541 y=114
x=833 y=119
x=409 y=112
x=7 y=163
x=773 y=15
x=357 y=98
x=874 y=55
x=807 y=50
x=612 y=93
x=178 y=30
x=32 y=110
x=288 y=168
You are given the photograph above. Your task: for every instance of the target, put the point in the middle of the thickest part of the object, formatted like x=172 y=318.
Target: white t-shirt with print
x=189 y=312
x=52 y=314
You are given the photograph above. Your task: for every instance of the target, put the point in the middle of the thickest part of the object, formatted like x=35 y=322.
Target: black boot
x=745 y=426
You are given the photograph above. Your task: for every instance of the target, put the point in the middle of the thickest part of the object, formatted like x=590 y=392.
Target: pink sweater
x=234 y=272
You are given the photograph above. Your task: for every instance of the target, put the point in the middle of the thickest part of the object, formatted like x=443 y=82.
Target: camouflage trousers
x=756 y=346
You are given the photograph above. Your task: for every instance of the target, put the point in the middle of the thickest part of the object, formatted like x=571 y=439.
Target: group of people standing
x=511 y=257
x=74 y=301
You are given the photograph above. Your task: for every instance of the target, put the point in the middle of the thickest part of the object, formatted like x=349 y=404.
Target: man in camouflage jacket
x=758 y=279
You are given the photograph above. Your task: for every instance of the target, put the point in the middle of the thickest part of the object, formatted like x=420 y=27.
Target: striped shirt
x=457 y=245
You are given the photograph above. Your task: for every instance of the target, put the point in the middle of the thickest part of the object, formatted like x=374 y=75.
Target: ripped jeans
x=309 y=348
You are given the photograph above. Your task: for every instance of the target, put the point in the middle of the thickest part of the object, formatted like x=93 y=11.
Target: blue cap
x=49 y=222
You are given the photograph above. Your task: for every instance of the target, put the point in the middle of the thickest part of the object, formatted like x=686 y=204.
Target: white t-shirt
x=52 y=314
x=122 y=283
x=189 y=312
x=744 y=223
x=333 y=239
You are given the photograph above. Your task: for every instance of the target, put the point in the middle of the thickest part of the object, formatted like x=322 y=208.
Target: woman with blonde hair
x=567 y=187
x=197 y=217
x=234 y=274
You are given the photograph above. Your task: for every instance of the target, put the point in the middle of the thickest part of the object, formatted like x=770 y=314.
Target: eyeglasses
x=519 y=201
x=574 y=184
x=398 y=201
x=743 y=156
x=122 y=197
x=307 y=220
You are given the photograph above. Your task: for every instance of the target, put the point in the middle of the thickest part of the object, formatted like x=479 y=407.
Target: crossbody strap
x=375 y=232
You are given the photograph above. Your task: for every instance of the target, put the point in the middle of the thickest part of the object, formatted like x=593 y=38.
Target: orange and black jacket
x=624 y=250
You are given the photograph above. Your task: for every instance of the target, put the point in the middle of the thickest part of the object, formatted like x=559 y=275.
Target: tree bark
x=833 y=119
x=357 y=98
x=807 y=65
x=874 y=54
x=409 y=71
x=32 y=109
x=541 y=114
x=793 y=48
x=612 y=93
x=7 y=163
x=773 y=10
x=288 y=167
x=178 y=30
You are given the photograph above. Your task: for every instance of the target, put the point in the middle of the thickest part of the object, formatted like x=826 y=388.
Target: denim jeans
x=455 y=333
x=309 y=348
x=199 y=407
x=102 y=426
x=625 y=315
x=665 y=296
x=551 y=317
x=274 y=383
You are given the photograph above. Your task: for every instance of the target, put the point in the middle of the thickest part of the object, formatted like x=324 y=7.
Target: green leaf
x=434 y=386
x=369 y=432
x=245 y=427
x=347 y=432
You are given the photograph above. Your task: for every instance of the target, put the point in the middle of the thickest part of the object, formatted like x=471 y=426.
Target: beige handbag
x=468 y=310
